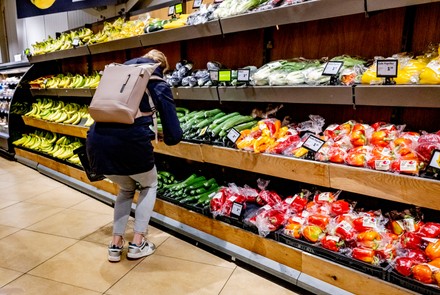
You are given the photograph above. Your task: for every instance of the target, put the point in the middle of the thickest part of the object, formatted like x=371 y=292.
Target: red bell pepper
x=404 y=265
x=430 y=230
x=336 y=132
x=357 y=156
x=312 y=233
x=268 y=197
x=340 y=207
x=320 y=220
x=387 y=252
x=358 y=136
x=364 y=254
x=369 y=239
x=323 y=198
x=364 y=223
x=344 y=228
x=411 y=240
x=337 y=155
x=380 y=138
x=418 y=255
x=332 y=243
x=297 y=202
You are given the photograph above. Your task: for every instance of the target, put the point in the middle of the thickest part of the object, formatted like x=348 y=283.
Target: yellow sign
x=43 y=4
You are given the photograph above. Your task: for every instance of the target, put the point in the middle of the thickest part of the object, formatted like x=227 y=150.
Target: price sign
x=213 y=75
x=243 y=75
x=197 y=3
x=237 y=209
x=75 y=41
x=435 y=160
x=27 y=52
x=313 y=143
x=178 y=8
x=224 y=76
x=233 y=135
x=171 y=10
x=386 y=68
x=332 y=68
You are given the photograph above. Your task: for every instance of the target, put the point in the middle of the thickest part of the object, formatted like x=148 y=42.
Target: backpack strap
x=153 y=112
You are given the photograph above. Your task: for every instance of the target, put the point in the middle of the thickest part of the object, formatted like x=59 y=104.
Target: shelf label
x=386 y=68
x=408 y=165
x=75 y=42
x=233 y=135
x=224 y=76
x=243 y=75
x=382 y=165
x=313 y=143
x=237 y=209
x=435 y=160
x=178 y=8
x=213 y=75
x=197 y=3
x=332 y=68
x=171 y=10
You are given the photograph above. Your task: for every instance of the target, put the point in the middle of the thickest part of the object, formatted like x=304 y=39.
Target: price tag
x=435 y=160
x=213 y=75
x=369 y=221
x=409 y=224
x=197 y=3
x=313 y=143
x=333 y=238
x=75 y=41
x=218 y=1
x=386 y=68
x=224 y=76
x=332 y=68
x=171 y=10
x=345 y=225
x=408 y=165
x=233 y=135
x=178 y=8
x=27 y=52
x=203 y=131
x=237 y=209
x=382 y=165
x=243 y=75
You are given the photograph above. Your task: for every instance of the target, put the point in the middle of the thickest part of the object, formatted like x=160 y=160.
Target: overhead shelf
x=426 y=96
x=66 y=92
x=296 y=13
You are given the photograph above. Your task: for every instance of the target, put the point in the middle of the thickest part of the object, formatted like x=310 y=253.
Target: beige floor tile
x=84 y=265
x=6 y=276
x=7 y=230
x=241 y=281
x=72 y=223
x=6 y=203
x=24 y=249
x=31 y=285
x=91 y=204
x=22 y=191
x=104 y=234
x=64 y=197
x=25 y=214
x=174 y=247
x=165 y=275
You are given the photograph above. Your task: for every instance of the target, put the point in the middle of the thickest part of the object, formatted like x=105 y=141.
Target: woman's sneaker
x=146 y=248
x=114 y=253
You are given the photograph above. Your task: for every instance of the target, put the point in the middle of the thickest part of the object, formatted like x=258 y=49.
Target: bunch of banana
x=99 y=37
x=92 y=81
x=69 y=81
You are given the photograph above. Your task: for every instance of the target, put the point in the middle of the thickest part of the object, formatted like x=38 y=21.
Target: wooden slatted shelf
x=66 y=129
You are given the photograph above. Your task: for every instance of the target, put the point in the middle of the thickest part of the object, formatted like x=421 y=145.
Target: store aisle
x=53 y=240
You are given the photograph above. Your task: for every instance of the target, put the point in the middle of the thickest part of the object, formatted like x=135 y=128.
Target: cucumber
x=196 y=185
x=235 y=121
x=208 y=121
x=210 y=182
x=185 y=111
x=179 y=185
x=247 y=125
x=224 y=118
x=216 y=130
x=212 y=113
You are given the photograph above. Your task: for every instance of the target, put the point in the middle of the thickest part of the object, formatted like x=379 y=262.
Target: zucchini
x=235 y=121
x=208 y=121
x=212 y=113
x=185 y=111
x=216 y=130
x=247 y=125
x=224 y=118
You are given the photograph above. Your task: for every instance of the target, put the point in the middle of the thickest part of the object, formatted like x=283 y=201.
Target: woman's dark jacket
x=126 y=149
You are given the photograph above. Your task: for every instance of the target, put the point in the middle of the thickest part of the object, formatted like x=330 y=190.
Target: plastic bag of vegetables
x=236 y=7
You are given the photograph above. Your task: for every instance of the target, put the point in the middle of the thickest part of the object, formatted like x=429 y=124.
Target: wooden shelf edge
x=71 y=130
x=186 y=150
x=68 y=170
x=394 y=187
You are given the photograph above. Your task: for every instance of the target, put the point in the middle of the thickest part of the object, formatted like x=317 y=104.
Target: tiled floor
x=53 y=240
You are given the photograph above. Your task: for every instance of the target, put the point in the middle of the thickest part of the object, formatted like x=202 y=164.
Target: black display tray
x=414 y=285
x=376 y=271
x=198 y=209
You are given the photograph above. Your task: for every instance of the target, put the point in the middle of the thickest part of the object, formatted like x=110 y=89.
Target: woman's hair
x=158 y=56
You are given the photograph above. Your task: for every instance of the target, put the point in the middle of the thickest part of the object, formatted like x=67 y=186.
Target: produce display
x=195 y=190
x=68 y=80
x=60 y=112
x=51 y=144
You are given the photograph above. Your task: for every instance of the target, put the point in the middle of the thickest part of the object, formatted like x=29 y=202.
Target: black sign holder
x=332 y=69
x=387 y=68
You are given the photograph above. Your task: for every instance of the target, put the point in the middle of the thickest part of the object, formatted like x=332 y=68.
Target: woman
x=124 y=154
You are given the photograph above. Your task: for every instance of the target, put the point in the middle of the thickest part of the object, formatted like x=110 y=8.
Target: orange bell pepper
x=422 y=273
x=312 y=233
x=293 y=230
x=433 y=250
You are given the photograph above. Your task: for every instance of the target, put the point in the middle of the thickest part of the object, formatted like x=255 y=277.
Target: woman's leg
x=127 y=188
x=145 y=203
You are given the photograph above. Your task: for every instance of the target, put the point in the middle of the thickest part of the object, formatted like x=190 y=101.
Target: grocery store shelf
x=120 y=44
x=179 y=34
x=66 y=92
x=66 y=129
x=4 y=135
x=395 y=187
x=341 y=95
x=74 y=52
x=185 y=150
x=426 y=96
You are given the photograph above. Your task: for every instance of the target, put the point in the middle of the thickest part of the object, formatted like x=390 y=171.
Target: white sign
x=435 y=160
x=171 y=10
x=233 y=135
x=197 y=3
x=332 y=68
x=313 y=143
x=243 y=75
x=387 y=68
x=213 y=75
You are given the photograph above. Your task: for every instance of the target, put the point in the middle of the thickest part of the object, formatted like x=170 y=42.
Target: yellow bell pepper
x=431 y=73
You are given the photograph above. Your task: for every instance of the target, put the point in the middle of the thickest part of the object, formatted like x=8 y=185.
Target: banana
x=66 y=154
x=21 y=141
x=60 y=151
x=61 y=140
x=54 y=150
x=89 y=121
x=72 y=118
x=62 y=118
